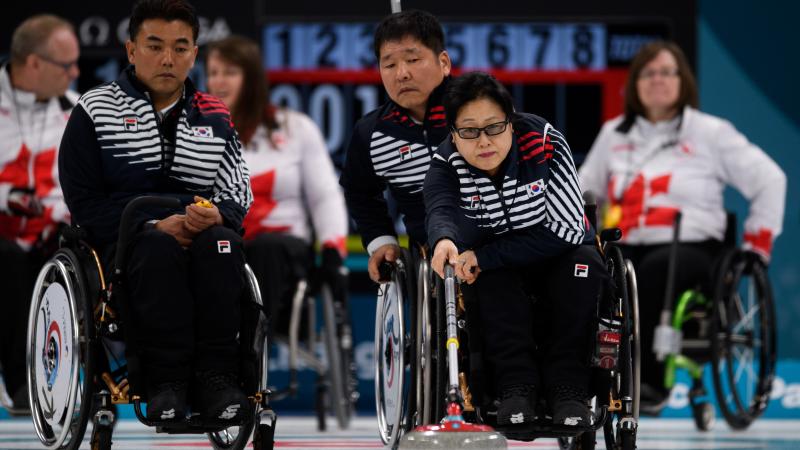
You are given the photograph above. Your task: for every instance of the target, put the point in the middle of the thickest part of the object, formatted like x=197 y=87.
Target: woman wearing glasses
x=504 y=207
x=662 y=156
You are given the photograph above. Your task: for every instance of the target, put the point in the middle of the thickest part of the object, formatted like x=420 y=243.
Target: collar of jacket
x=434 y=114
x=131 y=85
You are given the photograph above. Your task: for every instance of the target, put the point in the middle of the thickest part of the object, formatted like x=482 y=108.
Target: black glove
x=334 y=272
x=23 y=202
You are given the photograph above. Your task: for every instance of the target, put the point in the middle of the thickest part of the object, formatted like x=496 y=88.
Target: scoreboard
x=571 y=73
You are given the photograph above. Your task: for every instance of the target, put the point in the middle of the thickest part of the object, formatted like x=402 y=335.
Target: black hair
x=420 y=25
x=472 y=86
x=168 y=10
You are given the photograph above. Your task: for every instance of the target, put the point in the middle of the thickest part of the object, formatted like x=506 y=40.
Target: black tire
x=233 y=438
x=743 y=339
x=583 y=441
x=627 y=440
x=101 y=438
x=703 y=415
x=264 y=437
x=66 y=269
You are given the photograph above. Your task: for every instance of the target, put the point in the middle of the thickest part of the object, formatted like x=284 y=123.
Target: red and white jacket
x=684 y=164
x=30 y=133
x=294 y=184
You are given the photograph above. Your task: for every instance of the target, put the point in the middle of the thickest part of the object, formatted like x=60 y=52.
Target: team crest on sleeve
x=130 y=123
x=205 y=132
x=535 y=188
x=405 y=152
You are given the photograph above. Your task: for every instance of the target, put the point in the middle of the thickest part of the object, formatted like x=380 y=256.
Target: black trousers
x=279 y=261
x=693 y=268
x=185 y=303
x=555 y=332
x=18 y=270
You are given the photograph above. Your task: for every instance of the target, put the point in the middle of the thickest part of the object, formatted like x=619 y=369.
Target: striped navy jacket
x=114 y=149
x=388 y=148
x=536 y=213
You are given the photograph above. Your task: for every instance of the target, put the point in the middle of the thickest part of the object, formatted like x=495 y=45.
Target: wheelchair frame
x=336 y=379
x=79 y=289
x=719 y=338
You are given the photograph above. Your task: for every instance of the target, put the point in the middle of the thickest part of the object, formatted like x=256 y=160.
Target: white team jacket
x=684 y=164
x=293 y=180
x=30 y=133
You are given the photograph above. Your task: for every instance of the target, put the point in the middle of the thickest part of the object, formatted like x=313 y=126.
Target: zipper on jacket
x=160 y=134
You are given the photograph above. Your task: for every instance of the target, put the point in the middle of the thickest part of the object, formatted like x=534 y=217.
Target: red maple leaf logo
x=263 y=204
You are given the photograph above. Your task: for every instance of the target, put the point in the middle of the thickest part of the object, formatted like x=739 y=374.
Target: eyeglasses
x=64 y=65
x=666 y=72
x=474 y=133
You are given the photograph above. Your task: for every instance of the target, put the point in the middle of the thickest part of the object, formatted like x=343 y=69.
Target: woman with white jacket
x=663 y=156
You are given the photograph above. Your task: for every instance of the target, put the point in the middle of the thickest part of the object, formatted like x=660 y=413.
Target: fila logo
x=223 y=246
x=405 y=152
x=130 y=123
x=230 y=412
x=581 y=271
x=206 y=132
x=517 y=418
x=474 y=202
x=535 y=188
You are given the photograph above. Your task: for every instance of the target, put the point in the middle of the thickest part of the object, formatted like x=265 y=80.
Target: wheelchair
x=337 y=383
x=77 y=364
x=411 y=370
x=732 y=327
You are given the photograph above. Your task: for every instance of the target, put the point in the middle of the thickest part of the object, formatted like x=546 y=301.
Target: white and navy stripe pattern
x=542 y=190
x=402 y=164
x=203 y=161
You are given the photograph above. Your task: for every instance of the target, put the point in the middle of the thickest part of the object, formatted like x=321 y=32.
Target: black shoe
x=517 y=405
x=218 y=396
x=570 y=406
x=166 y=402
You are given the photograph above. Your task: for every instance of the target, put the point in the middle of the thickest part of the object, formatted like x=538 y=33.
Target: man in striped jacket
x=151 y=133
x=504 y=207
x=392 y=145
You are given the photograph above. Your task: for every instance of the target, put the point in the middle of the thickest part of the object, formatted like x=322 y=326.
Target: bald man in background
x=35 y=103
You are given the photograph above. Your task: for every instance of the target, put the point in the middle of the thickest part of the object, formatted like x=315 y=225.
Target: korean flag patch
x=535 y=188
x=130 y=123
x=223 y=246
x=204 y=132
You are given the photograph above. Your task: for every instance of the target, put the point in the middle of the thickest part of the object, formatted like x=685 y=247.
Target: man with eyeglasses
x=392 y=145
x=35 y=102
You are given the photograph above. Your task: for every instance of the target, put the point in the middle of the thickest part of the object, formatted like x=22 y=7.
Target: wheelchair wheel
x=339 y=361
x=59 y=353
x=743 y=339
x=620 y=428
x=390 y=367
x=583 y=441
x=424 y=394
x=233 y=438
